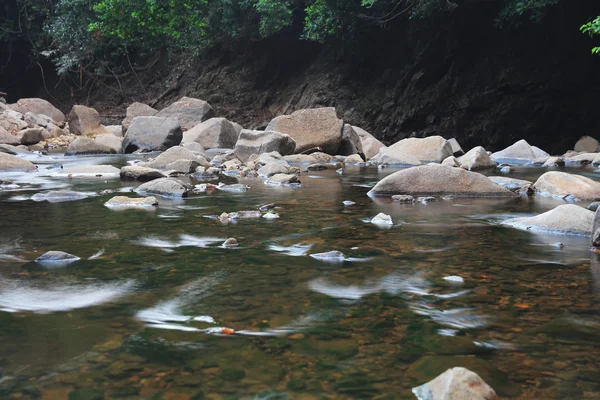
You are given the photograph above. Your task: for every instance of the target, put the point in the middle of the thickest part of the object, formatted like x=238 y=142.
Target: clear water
x=146 y=316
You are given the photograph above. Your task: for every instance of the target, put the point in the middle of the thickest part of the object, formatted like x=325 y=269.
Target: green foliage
x=274 y=16
x=516 y=11
x=592 y=28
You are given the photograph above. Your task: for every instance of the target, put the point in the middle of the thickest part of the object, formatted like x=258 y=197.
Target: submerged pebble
x=349 y=203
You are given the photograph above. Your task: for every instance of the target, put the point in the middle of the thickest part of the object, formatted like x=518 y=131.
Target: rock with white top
x=567 y=186
x=457 y=383
x=566 y=219
x=520 y=151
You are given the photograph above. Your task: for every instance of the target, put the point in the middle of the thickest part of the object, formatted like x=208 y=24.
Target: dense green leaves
x=593 y=29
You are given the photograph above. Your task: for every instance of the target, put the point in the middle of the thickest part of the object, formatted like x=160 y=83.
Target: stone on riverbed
x=57 y=196
x=567 y=186
x=152 y=134
x=430 y=149
x=403 y=199
x=283 y=180
x=174 y=154
x=189 y=111
x=110 y=140
x=566 y=219
x=509 y=183
x=166 y=187
x=231 y=242
x=138 y=173
x=258 y=142
x=84 y=145
x=476 y=158
x=439 y=180
x=382 y=219
x=124 y=202
x=521 y=151
x=456 y=384
x=271 y=169
x=137 y=110
x=85 y=121
x=311 y=128
x=56 y=257
x=90 y=171
x=214 y=133
x=10 y=163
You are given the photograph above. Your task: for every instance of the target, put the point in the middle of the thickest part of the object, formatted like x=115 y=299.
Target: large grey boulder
x=311 y=128
x=430 y=149
x=10 y=163
x=85 y=145
x=519 y=151
x=283 y=180
x=152 y=134
x=12 y=121
x=174 y=154
x=566 y=219
x=139 y=173
x=137 y=110
x=85 y=121
x=110 y=140
x=39 y=106
x=189 y=111
x=567 y=186
x=596 y=229
x=587 y=144
x=351 y=143
x=165 y=187
x=30 y=136
x=271 y=169
x=438 y=180
x=38 y=120
x=259 y=142
x=476 y=158
x=457 y=383
x=7 y=138
x=370 y=144
x=214 y=133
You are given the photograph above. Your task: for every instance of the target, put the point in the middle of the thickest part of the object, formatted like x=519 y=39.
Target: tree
x=592 y=28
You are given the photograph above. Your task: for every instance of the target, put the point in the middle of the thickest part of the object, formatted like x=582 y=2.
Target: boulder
x=456 y=148
x=451 y=162
x=166 y=187
x=12 y=121
x=85 y=121
x=116 y=130
x=138 y=173
x=370 y=145
x=195 y=148
x=238 y=128
x=183 y=166
x=30 y=136
x=392 y=157
x=554 y=162
x=457 y=383
x=430 y=149
x=85 y=145
x=39 y=106
x=10 y=163
x=137 y=110
x=7 y=138
x=188 y=111
x=14 y=150
x=567 y=186
x=176 y=153
x=311 y=128
x=509 y=183
x=300 y=159
x=587 y=144
x=519 y=151
x=214 y=133
x=581 y=159
x=38 y=120
x=566 y=219
x=271 y=169
x=596 y=229
x=439 y=180
x=259 y=142
x=539 y=153
x=354 y=159
x=124 y=202
x=56 y=257
x=152 y=134
x=351 y=143
x=110 y=140
x=90 y=171
x=283 y=180
x=476 y=158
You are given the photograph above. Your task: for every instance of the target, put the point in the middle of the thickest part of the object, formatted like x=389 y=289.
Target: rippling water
x=157 y=309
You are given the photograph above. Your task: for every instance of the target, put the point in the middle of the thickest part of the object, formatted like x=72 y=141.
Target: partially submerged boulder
x=476 y=158
x=214 y=133
x=438 y=180
x=85 y=145
x=188 y=111
x=567 y=186
x=370 y=144
x=139 y=173
x=174 y=154
x=457 y=383
x=56 y=257
x=509 y=183
x=39 y=106
x=311 y=128
x=85 y=121
x=137 y=110
x=124 y=202
x=165 y=187
x=566 y=219
x=259 y=142
x=520 y=151
x=152 y=134
x=10 y=163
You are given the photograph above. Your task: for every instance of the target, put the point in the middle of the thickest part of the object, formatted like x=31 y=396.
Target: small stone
x=56 y=257
x=382 y=219
x=399 y=198
x=454 y=279
x=349 y=203
x=506 y=169
x=426 y=199
x=317 y=167
x=271 y=215
x=333 y=255
x=231 y=242
x=557 y=245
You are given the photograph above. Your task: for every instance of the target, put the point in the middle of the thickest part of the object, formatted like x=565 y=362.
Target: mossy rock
x=86 y=394
x=427 y=368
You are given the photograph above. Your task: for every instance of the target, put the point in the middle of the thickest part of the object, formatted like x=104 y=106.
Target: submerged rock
x=567 y=186
x=166 y=187
x=382 y=219
x=566 y=219
x=231 y=242
x=439 y=180
x=456 y=384
x=399 y=198
x=333 y=255
x=509 y=183
x=311 y=128
x=57 y=196
x=283 y=180
x=124 y=202
x=56 y=257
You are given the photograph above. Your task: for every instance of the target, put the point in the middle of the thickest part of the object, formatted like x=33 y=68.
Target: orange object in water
x=227 y=331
